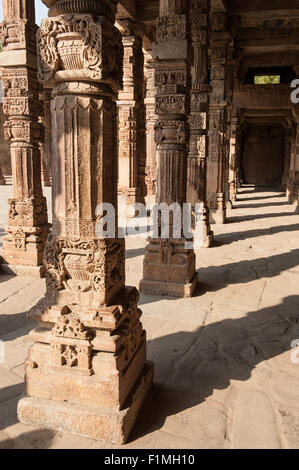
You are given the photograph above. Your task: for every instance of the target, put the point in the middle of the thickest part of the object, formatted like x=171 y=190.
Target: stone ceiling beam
x=270 y=60
x=126 y=9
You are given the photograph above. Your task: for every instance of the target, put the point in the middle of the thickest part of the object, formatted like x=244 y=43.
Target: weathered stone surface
x=94 y=422
x=252 y=407
x=89 y=339
x=207 y=353
x=131 y=115
x=28 y=222
x=169 y=267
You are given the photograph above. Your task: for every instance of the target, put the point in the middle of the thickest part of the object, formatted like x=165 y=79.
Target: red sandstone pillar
x=86 y=372
x=46 y=145
x=28 y=227
x=151 y=118
x=198 y=142
x=131 y=114
x=2 y=179
x=169 y=267
x=218 y=145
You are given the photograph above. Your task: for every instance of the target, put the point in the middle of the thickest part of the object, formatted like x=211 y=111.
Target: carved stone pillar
x=218 y=147
x=198 y=143
x=234 y=156
x=131 y=113
x=287 y=157
x=46 y=145
x=151 y=118
x=2 y=179
x=169 y=267
x=293 y=184
x=86 y=371
x=28 y=228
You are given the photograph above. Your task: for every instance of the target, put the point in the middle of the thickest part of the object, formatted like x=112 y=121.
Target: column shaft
x=2 y=179
x=28 y=227
x=198 y=141
x=131 y=112
x=86 y=372
x=234 y=157
x=169 y=267
x=46 y=145
x=151 y=118
x=217 y=157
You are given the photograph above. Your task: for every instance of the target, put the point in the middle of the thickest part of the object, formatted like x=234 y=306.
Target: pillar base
x=205 y=241
x=229 y=204
x=95 y=423
x=202 y=234
x=169 y=289
x=26 y=271
x=218 y=217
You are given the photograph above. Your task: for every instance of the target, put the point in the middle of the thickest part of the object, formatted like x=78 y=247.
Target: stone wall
x=263 y=155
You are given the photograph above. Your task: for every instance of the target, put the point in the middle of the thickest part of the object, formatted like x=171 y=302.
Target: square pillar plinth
x=168 y=269
x=87 y=376
x=97 y=423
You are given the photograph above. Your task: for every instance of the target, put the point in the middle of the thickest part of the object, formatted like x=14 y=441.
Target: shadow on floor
x=257 y=198
x=227 y=238
x=217 y=277
x=39 y=439
x=13 y=325
x=246 y=218
x=255 y=206
x=216 y=354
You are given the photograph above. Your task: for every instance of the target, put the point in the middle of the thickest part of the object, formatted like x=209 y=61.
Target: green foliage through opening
x=267 y=79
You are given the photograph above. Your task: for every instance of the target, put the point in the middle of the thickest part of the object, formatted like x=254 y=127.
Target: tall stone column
x=234 y=156
x=151 y=118
x=2 y=179
x=46 y=145
x=86 y=371
x=28 y=228
x=169 y=267
x=293 y=185
x=131 y=113
x=198 y=142
x=217 y=156
x=287 y=157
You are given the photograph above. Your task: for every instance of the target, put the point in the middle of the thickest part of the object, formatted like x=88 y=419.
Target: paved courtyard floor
x=224 y=377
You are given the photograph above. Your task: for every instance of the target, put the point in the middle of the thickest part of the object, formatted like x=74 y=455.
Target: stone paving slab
x=224 y=376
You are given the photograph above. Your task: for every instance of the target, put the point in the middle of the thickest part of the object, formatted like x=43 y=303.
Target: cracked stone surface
x=224 y=376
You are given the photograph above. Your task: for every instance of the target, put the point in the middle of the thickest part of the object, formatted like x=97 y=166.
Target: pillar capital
x=106 y=8
x=80 y=46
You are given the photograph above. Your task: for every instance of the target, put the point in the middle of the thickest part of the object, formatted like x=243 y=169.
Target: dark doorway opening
x=263 y=155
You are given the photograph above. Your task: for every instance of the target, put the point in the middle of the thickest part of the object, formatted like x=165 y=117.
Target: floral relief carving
x=171 y=27
x=75 y=43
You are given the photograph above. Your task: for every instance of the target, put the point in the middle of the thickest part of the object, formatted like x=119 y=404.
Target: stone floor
x=224 y=376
